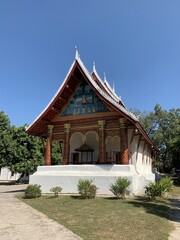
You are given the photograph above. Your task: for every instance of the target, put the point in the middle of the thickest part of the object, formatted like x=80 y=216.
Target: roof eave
x=144 y=134
x=53 y=100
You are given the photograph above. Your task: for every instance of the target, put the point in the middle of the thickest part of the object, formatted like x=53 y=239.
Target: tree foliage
x=18 y=150
x=6 y=143
x=56 y=153
x=163 y=127
x=27 y=151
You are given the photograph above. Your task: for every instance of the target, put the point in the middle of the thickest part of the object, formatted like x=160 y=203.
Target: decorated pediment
x=85 y=101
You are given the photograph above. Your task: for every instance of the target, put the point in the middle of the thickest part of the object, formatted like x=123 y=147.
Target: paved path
x=175 y=218
x=19 y=221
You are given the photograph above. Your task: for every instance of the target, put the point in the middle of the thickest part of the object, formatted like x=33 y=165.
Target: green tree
x=6 y=143
x=20 y=151
x=27 y=151
x=56 y=153
x=163 y=127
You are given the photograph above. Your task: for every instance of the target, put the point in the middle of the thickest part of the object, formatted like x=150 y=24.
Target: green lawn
x=107 y=218
x=176 y=191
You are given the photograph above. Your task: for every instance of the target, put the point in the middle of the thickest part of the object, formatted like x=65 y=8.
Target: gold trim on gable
x=84 y=116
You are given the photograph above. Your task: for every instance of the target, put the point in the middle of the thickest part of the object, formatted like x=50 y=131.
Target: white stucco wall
x=6 y=175
x=67 y=176
x=141 y=159
x=133 y=150
x=139 y=164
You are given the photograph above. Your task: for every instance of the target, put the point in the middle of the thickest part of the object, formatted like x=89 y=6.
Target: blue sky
x=135 y=42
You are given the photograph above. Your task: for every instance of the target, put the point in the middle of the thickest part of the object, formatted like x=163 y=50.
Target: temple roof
x=104 y=90
x=69 y=87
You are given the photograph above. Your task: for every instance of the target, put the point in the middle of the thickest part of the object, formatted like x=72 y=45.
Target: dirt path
x=175 y=218
x=19 y=221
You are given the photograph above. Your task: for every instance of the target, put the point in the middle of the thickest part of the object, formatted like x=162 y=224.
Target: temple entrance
x=84 y=148
x=113 y=149
x=84 y=154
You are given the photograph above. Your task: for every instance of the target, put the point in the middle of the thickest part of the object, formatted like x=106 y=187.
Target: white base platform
x=67 y=176
x=6 y=175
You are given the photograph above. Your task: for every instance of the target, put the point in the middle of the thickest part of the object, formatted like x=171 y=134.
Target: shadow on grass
x=113 y=198
x=53 y=197
x=175 y=210
x=159 y=208
x=76 y=197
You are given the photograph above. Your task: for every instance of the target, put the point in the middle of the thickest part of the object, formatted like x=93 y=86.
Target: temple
x=101 y=139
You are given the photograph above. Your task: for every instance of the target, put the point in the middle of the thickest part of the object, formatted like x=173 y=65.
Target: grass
x=108 y=218
x=176 y=191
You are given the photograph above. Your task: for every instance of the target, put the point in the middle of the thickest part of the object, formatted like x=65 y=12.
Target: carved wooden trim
x=87 y=116
x=124 y=145
x=102 y=137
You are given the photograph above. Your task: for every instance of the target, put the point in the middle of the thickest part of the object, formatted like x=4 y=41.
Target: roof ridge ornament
x=76 y=53
x=94 y=67
x=105 y=77
x=113 y=87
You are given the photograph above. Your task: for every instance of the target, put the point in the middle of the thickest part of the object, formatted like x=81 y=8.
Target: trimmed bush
x=158 y=189
x=86 y=189
x=167 y=184
x=56 y=191
x=120 y=188
x=33 y=191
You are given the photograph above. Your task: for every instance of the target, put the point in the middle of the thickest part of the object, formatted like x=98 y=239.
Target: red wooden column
x=124 y=141
x=48 y=145
x=102 y=146
x=66 y=144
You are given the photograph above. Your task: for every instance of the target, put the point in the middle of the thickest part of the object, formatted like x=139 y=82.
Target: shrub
x=56 y=191
x=154 y=190
x=158 y=189
x=167 y=184
x=86 y=189
x=33 y=191
x=120 y=187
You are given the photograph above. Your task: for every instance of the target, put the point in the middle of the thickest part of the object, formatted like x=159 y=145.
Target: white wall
x=139 y=160
x=67 y=176
x=6 y=175
x=133 y=150
x=143 y=163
